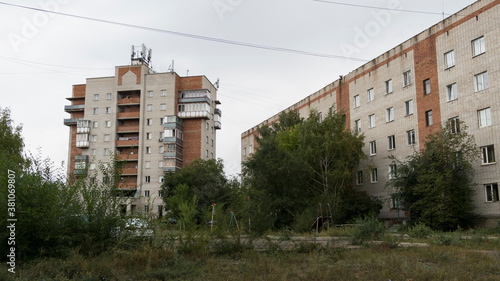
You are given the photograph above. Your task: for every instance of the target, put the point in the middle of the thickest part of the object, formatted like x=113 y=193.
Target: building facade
x=155 y=123
x=448 y=72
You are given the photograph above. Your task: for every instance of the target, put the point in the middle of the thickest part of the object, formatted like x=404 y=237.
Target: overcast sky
x=42 y=55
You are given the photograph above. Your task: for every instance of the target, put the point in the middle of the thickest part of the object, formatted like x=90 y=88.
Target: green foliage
x=302 y=162
x=435 y=185
x=367 y=229
x=420 y=230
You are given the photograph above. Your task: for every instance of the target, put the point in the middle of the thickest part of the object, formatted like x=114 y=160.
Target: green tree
x=435 y=184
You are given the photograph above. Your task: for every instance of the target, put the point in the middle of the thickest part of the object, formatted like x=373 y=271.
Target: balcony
x=172 y=140
x=128 y=142
x=129 y=101
x=127 y=129
x=128 y=115
x=194 y=114
x=129 y=172
x=71 y=121
x=74 y=108
x=83 y=144
x=127 y=157
x=195 y=100
x=217 y=125
x=127 y=186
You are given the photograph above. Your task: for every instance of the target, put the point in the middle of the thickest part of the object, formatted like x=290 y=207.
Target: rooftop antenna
x=187 y=74
x=171 y=67
x=217 y=84
x=141 y=55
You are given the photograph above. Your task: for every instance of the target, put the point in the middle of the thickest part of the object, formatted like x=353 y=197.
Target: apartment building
x=448 y=72
x=155 y=123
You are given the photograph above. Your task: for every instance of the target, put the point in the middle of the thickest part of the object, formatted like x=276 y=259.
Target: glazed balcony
x=194 y=114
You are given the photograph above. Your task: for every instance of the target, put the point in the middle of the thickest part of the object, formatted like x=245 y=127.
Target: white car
x=138 y=227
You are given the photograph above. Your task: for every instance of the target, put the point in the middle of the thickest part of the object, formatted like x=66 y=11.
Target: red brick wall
x=191 y=83
x=135 y=69
x=191 y=140
x=425 y=62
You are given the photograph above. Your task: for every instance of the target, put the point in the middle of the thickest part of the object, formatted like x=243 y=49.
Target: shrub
x=420 y=230
x=369 y=228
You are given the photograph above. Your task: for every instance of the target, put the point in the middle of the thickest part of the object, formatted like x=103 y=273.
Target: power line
x=381 y=8
x=193 y=36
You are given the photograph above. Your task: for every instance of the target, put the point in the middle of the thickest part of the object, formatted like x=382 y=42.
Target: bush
x=369 y=228
x=420 y=230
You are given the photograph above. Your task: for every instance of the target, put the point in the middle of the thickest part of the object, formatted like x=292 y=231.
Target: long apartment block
x=448 y=72
x=155 y=123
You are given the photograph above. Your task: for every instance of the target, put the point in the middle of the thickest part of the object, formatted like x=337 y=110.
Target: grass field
x=279 y=256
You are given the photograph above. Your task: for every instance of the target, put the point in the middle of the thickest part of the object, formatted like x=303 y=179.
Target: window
x=108 y=110
x=93 y=152
x=371 y=120
x=320 y=117
x=160 y=164
x=394 y=203
x=96 y=96
x=491 y=191
x=146 y=209
x=95 y=124
x=148 y=149
x=371 y=95
x=250 y=149
x=106 y=137
x=96 y=110
x=163 y=93
x=409 y=107
x=108 y=96
x=161 y=149
x=149 y=122
x=106 y=151
x=478 y=46
x=454 y=125
x=147 y=179
x=484 y=117
x=207 y=125
x=428 y=118
x=206 y=140
x=357 y=125
x=146 y=193
x=149 y=136
x=108 y=124
x=488 y=154
x=244 y=151
x=410 y=137
x=388 y=86
x=206 y=153
x=149 y=107
x=449 y=59
x=359 y=178
x=147 y=164
x=392 y=142
x=373 y=148
x=392 y=171
x=481 y=81
x=390 y=114
x=427 y=86
x=161 y=135
x=94 y=138
x=163 y=106
x=407 y=78
x=92 y=166
x=374 y=175
x=212 y=143
x=150 y=94
x=160 y=180
x=452 y=91
x=356 y=101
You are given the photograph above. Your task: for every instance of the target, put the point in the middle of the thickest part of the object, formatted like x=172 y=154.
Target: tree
x=203 y=180
x=435 y=184
x=300 y=163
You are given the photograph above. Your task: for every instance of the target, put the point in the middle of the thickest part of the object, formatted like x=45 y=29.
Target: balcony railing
x=71 y=121
x=128 y=115
x=217 y=125
x=74 y=108
x=128 y=129
x=82 y=144
x=129 y=101
x=125 y=143
x=129 y=172
x=127 y=157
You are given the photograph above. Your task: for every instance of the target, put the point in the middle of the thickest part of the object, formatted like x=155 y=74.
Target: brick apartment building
x=155 y=122
x=448 y=72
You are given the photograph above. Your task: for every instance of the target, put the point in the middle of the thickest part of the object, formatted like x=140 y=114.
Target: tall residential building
x=155 y=122
x=448 y=72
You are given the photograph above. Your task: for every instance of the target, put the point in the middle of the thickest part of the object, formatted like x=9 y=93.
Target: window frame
x=371 y=94
x=373 y=148
x=478 y=42
x=374 y=175
x=371 y=118
x=451 y=89
x=392 y=142
x=427 y=86
x=447 y=62
x=389 y=114
x=410 y=137
x=388 y=87
x=488 y=154
x=483 y=82
x=493 y=195
x=357 y=102
x=486 y=116
x=429 y=120
x=407 y=80
x=359 y=178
